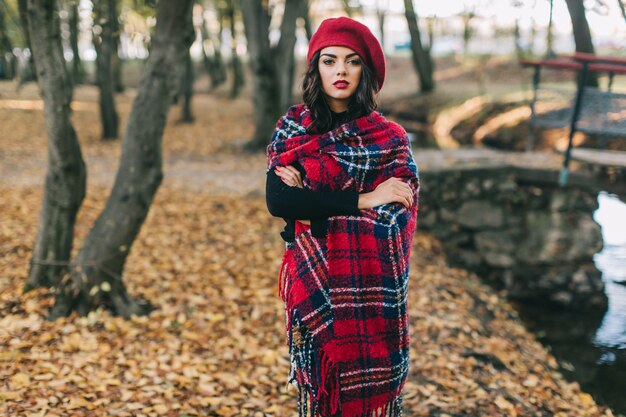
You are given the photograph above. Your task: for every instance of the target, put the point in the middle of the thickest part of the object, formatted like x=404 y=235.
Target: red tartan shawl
x=346 y=294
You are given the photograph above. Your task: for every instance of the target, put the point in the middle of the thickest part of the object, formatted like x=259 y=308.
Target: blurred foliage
x=143 y=7
x=138 y=19
x=12 y=22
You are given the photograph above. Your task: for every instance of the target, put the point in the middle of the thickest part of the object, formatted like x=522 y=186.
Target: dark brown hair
x=362 y=102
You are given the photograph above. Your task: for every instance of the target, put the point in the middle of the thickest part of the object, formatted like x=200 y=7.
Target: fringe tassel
x=314 y=373
x=317 y=378
x=391 y=409
x=303 y=401
x=282 y=275
x=285 y=283
x=304 y=367
x=308 y=407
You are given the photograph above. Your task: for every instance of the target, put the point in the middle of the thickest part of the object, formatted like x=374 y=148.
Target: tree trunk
x=219 y=61
x=97 y=279
x=187 y=90
x=209 y=62
x=235 y=62
x=22 y=6
x=533 y=37
x=431 y=33
x=307 y=20
x=582 y=34
x=272 y=68
x=550 y=35
x=381 y=13
x=265 y=84
x=187 y=79
x=467 y=31
x=5 y=44
x=213 y=64
x=620 y=3
x=519 y=50
x=26 y=71
x=284 y=51
x=421 y=56
x=116 y=61
x=78 y=71
x=66 y=176
x=105 y=11
x=580 y=27
x=347 y=7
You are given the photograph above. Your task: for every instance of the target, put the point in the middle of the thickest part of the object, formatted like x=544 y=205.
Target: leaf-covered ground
x=208 y=257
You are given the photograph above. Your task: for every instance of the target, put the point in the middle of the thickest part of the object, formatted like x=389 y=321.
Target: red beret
x=343 y=31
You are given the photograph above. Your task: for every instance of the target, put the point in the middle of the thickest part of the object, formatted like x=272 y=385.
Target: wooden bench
x=585 y=109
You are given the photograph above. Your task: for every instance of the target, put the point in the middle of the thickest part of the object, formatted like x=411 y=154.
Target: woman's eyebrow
x=335 y=56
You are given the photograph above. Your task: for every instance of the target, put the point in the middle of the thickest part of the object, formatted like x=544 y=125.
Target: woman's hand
x=392 y=190
x=290 y=176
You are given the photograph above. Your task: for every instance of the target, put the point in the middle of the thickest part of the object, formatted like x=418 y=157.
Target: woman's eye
x=327 y=61
x=355 y=61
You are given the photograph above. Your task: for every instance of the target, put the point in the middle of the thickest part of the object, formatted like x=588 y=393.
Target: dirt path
x=202 y=156
x=242 y=175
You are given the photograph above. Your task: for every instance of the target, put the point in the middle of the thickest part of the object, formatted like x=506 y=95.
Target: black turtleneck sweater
x=293 y=203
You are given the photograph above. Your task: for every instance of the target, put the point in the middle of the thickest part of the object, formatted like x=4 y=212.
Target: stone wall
x=533 y=239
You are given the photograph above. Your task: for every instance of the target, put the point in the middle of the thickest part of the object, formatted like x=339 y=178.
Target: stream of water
x=590 y=344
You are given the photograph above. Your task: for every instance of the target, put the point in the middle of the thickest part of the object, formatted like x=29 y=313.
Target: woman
x=344 y=180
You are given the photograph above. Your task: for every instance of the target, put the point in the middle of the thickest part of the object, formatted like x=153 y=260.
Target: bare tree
x=550 y=35
x=272 y=67
x=580 y=26
x=78 y=71
x=213 y=62
x=116 y=61
x=204 y=40
x=519 y=49
x=622 y=8
x=22 y=6
x=5 y=43
x=186 y=90
x=307 y=20
x=235 y=63
x=582 y=34
x=284 y=51
x=26 y=71
x=66 y=176
x=468 y=31
x=381 y=13
x=532 y=36
x=96 y=276
x=187 y=80
x=430 y=22
x=105 y=16
x=347 y=7
x=421 y=55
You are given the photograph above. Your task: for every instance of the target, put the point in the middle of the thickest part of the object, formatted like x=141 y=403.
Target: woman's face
x=340 y=70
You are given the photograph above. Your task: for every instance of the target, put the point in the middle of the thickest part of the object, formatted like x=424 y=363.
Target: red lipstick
x=341 y=84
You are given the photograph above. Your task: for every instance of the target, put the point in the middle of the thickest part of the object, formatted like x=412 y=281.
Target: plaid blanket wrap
x=346 y=294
